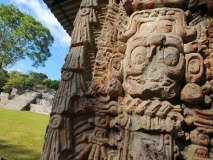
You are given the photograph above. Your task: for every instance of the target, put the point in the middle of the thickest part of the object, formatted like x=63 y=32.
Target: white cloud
x=52 y=62
x=14 y=69
x=40 y=11
x=21 y=64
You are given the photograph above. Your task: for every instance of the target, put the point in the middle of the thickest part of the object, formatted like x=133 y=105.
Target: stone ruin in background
x=137 y=83
x=39 y=101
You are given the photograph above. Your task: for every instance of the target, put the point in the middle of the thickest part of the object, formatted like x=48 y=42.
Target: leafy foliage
x=14 y=73
x=20 y=82
x=22 y=36
x=32 y=80
x=52 y=84
x=37 y=78
x=4 y=76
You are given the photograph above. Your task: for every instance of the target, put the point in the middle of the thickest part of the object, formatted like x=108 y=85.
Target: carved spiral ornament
x=55 y=121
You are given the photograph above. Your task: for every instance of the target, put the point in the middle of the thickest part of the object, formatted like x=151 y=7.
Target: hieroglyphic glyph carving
x=136 y=84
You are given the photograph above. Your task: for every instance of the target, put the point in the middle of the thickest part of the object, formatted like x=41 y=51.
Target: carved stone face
x=153 y=66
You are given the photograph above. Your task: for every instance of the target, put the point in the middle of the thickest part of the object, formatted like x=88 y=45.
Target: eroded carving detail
x=148 y=92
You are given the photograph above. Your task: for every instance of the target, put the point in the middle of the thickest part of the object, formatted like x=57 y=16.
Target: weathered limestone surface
x=137 y=83
x=23 y=101
x=35 y=101
x=4 y=98
x=40 y=108
x=43 y=104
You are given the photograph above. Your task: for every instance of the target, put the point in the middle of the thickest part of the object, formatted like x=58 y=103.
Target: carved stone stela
x=137 y=83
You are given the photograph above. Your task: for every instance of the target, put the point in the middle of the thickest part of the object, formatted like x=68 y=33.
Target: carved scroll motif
x=148 y=92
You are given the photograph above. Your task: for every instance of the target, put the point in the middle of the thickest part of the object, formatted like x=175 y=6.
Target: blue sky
x=39 y=10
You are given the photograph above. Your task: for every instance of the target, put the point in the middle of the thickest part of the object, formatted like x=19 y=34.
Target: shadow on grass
x=16 y=152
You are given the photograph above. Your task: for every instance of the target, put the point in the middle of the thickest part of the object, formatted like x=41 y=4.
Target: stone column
x=136 y=84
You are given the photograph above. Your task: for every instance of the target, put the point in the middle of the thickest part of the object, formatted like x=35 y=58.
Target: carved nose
x=154 y=70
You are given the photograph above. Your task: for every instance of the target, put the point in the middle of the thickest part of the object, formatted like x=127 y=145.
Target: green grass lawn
x=21 y=134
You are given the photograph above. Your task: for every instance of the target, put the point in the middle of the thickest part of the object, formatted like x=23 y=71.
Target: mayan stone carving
x=137 y=83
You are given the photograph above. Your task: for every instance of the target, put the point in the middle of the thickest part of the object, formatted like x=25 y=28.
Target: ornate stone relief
x=136 y=84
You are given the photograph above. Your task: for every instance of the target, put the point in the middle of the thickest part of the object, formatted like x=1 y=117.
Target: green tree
x=14 y=73
x=4 y=76
x=52 y=84
x=22 y=36
x=21 y=82
x=37 y=78
x=31 y=80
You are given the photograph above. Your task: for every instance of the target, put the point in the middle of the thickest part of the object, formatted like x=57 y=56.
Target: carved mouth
x=162 y=81
x=166 y=81
x=162 y=87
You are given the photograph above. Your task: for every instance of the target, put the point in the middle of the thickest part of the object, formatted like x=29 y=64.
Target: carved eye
x=171 y=56
x=194 y=66
x=138 y=55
